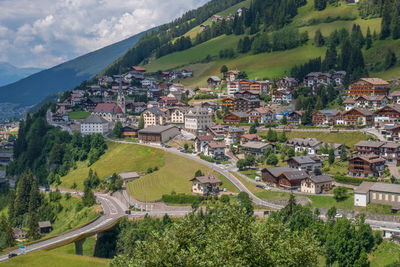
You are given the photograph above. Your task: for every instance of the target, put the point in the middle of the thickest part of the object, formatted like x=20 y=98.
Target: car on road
x=398 y=227
x=339 y=215
x=12 y=255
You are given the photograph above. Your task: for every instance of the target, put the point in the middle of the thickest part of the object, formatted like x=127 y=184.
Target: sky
x=44 y=33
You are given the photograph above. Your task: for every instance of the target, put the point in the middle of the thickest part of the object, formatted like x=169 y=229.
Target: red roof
x=137 y=68
x=107 y=107
x=375 y=81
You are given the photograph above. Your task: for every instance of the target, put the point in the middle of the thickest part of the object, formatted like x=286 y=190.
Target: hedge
x=207 y=158
x=181 y=199
x=351 y=180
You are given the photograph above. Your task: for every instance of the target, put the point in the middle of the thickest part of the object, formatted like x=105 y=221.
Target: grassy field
x=54 y=259
x=328 y=202
x=173 y=175
x=387 y=253
x=275 y=64
x=347 y=138
x=336 y=167
x=88 y=248
x=78 y=115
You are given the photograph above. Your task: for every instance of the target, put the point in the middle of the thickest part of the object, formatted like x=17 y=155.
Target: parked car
x=12 y=255
x=338 y=215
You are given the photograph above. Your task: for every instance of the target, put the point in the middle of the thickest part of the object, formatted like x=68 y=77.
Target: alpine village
x=244 y=133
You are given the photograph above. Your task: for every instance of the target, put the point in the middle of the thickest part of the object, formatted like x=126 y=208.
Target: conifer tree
x=368 y=39
x=141 y=122
x=318 y=38
x=386 y=20
x=33 y=231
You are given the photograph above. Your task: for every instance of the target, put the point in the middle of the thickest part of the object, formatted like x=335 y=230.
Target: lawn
x=251 y=173
x=387 y=253
x=54 y=259
x=88 y=247
x=347 y=138
x=337 y=167
x=319 y=201
x=175 y=176
x=78 y=115
x=174 y=172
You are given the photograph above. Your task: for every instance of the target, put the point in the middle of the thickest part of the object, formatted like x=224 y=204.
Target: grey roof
x=44 y=224
x=2 y=174
x=215 y=78
x=295 y=174
x=157 y=129
x=321 y=178
x=255 y=145
x=94 y=119
x=129 y=175
x=6 y=155
x=312 y=142
x=386 y=187
x=207 y=179
x=155 y=111
x=303 y=159
x=370 y=143
x=275 y=171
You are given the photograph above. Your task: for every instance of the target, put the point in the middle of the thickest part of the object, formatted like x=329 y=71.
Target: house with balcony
x=205 y=185
x=216 y=150
x=305 y=163
x=261 y=115
x=369 y=165
x=388 y=115
x=317 y=184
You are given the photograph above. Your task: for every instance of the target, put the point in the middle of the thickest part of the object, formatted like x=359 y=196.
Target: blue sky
x=44 y=33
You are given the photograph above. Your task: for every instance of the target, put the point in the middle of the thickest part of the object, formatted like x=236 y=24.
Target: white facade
x=232 y=88
x=197 y=120
x=177 y=116
x=93 y=128
x=361 y=200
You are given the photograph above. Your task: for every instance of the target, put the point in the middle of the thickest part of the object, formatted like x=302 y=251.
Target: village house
x=395 y=97
x=153 y=116
x=349 y=104
x=372 y=101
x=94 y=124
x=249 y=138
x=216 y=150
x=205 y=185
x=216 y=131
x=178 y=115
x=5 y=158
x=325 y=117
x=377 y=193
x=388 y=115
x=129 y=132
x=368 y=86
x=305 y=163
x=19 y=234
x=201 y=141
x=294 y=117
x=247 y=94
x=236 y=117
x=369 y=165
x=256 y=148
x=391 y=133
x=317 y=184
x=233 y=135
x=358 y=116
x=197 y=120
x=387 y=150
x=310 y=145
x=203 y=27
x=214 y=81
x=108 y=111
x=136 y=107
x=283 y=176
x=158 y=134
x=316 y=79
x=287 y=83
x=216 y=18
x=45 y=227
x=281 y=96
x=148 y=82
x=138 y=69
x=231 y=75
x=187 y=73
x=261 y=115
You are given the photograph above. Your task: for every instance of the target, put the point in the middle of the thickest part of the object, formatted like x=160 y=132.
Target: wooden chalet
x=368 y=86
x=236 y=117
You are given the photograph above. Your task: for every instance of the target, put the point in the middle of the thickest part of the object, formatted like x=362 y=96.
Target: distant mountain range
x=10 y=73
x=66 y=76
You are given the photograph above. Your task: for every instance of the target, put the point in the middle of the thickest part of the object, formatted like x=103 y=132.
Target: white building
x=94 y=124
x=197 y=120
x=215 y=150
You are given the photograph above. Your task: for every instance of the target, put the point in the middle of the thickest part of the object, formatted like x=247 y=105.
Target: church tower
x=121 y=98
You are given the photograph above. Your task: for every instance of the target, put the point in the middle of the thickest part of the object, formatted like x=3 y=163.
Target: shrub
x=351 y=180
x=181 y=199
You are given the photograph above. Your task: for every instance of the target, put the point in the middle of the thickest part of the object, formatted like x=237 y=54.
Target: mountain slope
x=65 y=76
x=10 y=73
x=278 y=63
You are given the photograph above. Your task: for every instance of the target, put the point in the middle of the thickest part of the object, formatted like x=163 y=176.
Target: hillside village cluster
x=219 y=125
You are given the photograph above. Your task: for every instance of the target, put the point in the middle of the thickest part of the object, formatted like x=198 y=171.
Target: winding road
x=113 y=210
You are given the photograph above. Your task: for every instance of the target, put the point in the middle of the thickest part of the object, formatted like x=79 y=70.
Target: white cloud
x=43 y=33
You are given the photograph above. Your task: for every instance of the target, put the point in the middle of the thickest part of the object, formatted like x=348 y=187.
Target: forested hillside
x=269 y=38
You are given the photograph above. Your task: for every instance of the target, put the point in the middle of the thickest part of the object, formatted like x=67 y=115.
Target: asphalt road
x=112 y=209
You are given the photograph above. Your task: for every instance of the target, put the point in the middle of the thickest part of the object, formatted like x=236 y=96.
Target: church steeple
x=121 y=98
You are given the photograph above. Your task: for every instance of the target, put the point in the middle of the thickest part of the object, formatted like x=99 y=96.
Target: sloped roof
x=375 y=81
x=295 y=175
x=321 y=179
x=205 y=137
x=303 y=159
x=207 y=179
x=370 y=143
x=106 y=107
x=255 y=145
x=216 y=144
x=94 y=119
x=155 y=111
